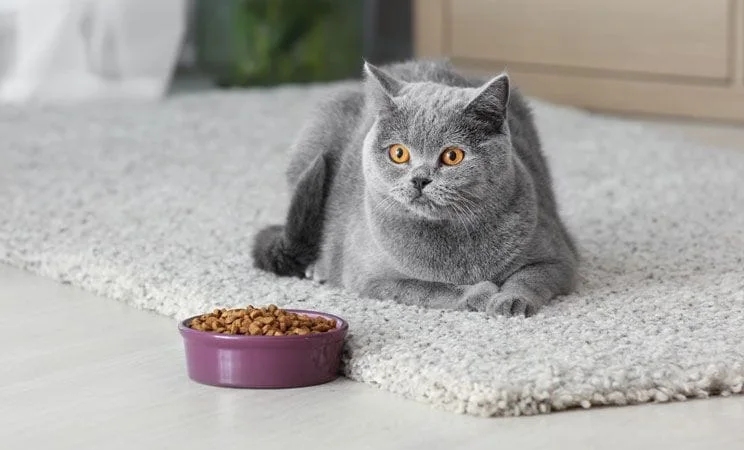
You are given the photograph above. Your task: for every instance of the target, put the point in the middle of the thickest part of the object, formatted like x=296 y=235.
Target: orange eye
x=399 y=153
x=452 y=156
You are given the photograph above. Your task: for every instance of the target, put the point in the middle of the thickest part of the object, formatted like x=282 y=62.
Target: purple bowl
x=264 y=361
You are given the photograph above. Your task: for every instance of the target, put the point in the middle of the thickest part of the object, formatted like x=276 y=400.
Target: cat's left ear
x=491 y=100
x=382 y=85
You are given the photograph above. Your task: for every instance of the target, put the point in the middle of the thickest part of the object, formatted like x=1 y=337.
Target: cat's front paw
x=478 y=296
x=510 y=305
x=486 y=297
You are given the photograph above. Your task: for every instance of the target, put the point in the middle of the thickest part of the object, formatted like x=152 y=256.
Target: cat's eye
x=452 y=156
x=399 y=154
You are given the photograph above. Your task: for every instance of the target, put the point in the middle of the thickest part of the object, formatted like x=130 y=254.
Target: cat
x=424 y=186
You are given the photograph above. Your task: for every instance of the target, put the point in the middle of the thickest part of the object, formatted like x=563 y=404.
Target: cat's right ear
x=381 y=86
x=490 y=102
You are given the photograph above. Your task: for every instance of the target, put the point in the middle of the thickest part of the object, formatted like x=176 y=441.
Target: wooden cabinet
x=667 y=57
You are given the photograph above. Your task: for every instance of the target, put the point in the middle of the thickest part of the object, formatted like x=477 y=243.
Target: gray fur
x=485 y=235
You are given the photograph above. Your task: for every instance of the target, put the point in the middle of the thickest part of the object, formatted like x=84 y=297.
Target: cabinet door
x=686 y=38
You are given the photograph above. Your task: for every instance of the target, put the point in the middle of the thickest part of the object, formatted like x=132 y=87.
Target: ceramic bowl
x=246 y=361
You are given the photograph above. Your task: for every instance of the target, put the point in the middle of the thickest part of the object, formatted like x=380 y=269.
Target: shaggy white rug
x=156 y=205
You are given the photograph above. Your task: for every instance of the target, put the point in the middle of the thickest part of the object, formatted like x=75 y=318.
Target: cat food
x=269 y=321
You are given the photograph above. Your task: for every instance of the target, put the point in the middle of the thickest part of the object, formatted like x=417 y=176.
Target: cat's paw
x=486 y=297
x=478 y=296
x=510 y=305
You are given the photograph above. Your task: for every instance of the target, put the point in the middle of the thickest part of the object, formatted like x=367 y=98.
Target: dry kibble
x=254 y=329
x=269 y=321
x=266 y=320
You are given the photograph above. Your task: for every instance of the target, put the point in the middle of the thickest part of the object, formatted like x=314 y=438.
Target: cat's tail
x=287 y=250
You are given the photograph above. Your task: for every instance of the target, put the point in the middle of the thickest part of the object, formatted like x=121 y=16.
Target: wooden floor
x=81 y=372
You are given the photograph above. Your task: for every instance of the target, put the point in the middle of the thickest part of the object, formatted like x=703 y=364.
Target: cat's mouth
x=424 y=206
x=421 y=204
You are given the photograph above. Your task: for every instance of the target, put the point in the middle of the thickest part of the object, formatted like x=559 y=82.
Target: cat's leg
x=418 y=293
x=526 y=290
x=522 y=294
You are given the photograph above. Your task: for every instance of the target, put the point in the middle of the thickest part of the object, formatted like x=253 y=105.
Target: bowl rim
x=342 y=327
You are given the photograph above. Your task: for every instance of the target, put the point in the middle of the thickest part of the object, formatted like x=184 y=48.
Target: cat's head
x=436 y=151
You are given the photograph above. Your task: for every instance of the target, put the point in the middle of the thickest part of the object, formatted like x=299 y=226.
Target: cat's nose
x=420 y=182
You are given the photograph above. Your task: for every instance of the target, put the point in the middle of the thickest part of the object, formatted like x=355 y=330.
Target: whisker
x=461 y=215
x=464 y=208
x=386 y=204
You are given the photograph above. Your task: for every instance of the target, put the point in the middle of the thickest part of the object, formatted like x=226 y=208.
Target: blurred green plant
x=268 y=42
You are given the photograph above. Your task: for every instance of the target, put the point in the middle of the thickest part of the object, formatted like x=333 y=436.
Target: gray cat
x=427 y=187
